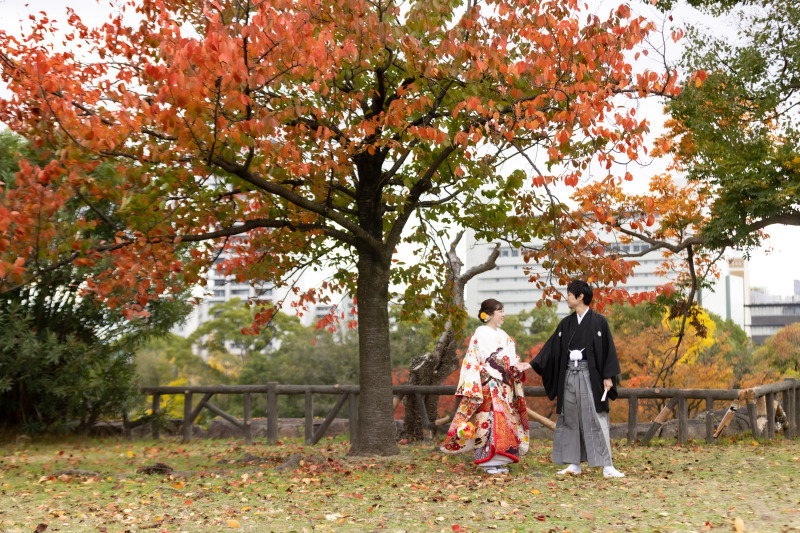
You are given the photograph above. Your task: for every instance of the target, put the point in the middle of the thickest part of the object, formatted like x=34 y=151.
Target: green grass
x=667 y=488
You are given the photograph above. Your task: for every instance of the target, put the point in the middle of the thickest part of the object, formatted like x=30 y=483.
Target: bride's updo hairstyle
x=488 y=307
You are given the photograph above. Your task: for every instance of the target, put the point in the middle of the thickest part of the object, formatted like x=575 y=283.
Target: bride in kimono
x=492 y=419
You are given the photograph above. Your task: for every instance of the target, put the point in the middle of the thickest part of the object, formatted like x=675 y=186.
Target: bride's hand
x=522 y=367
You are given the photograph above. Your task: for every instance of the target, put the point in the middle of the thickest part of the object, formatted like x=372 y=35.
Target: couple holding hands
x=578 y=365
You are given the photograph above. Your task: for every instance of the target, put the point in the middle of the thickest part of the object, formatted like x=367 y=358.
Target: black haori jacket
x=551 y=362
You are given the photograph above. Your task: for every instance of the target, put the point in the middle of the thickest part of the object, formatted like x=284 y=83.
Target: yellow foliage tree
x=648 y=357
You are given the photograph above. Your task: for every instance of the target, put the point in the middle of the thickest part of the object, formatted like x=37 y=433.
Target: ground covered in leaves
x=118 y=486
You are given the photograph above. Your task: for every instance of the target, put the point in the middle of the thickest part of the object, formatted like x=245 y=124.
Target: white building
x=509 y=283
x=219 y=290
x=727 y=298
x=319 y=311
x=771 y=313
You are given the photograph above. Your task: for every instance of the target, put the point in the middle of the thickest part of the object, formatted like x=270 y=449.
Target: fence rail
x=789 y=390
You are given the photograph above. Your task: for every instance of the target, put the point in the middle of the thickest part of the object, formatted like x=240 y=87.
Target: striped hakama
x=581 y=433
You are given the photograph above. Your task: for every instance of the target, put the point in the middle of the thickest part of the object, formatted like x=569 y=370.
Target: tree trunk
x=376 y=428
x=432 y=368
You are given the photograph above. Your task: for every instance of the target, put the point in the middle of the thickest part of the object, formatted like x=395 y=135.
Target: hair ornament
x=483 y=316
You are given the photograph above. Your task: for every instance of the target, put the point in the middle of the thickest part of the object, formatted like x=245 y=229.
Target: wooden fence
x=789 y=390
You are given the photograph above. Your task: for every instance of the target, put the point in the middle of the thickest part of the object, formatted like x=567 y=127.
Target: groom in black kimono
x=579 y=365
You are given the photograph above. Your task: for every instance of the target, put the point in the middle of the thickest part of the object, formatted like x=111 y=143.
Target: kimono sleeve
x=469 y=381
x=546 y=364
x=611 y=368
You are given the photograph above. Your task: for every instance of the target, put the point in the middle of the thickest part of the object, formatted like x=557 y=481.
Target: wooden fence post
x=248 y=424
x=659 y=420
x=188 y=420
x=272 y=412
x=787 y=427
x=797 y=408
x=793 y=417
x=709 y=420
x=126 y=426
x=309 y=417
x=788 y=408
x=155 y=431
x=352 y=407
x=770 y=415
x=683 y=421
x=633 y=419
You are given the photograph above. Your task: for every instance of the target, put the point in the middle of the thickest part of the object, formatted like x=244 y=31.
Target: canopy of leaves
x=734 y=129
x=67 y=359
x=301 y=128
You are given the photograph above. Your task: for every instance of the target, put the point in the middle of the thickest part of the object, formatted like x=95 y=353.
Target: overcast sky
x=774 y=267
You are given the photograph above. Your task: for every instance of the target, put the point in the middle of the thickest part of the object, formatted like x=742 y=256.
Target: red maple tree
x=316 y=134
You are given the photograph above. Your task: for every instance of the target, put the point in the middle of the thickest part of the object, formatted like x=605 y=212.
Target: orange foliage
x=648 y=358
x=195 y=93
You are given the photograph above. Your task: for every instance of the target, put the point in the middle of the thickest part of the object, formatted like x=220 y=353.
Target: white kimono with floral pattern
x=492 y=418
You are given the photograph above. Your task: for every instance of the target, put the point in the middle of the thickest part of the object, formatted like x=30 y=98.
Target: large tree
x=321 y=133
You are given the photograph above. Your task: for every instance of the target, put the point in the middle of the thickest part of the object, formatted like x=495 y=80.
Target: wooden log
x=317 y=389
x=442 y=420
x=761 y=406
x=202 y=389
x=689 y=394
x=659 y=420
x=155 y=430
x=187 y=416
x=729 y=414
x=440 y=390
x=709 y=420
x=423 y=411
x=633 y=419
x=543 y=420
x=778 y=386
x=796 y=408
x=196 y=411
x=788 y=401
x=751 y=415
x=133 y=424
x=229 y=417
x=683 y=421
x=308 y=411
x=770 y=415
x=255 y=389
x=717 y=394
x=248 y=425
x=272 y=413
x=352 y=407
x=328 y=419
x=126 y=426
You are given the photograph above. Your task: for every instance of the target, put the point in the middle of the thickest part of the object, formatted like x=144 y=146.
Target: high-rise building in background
x=221 y=289
x=509 y=283
x=769 y=313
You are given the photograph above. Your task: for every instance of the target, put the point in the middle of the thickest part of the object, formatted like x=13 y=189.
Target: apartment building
x=770 y=313
x=509 y=283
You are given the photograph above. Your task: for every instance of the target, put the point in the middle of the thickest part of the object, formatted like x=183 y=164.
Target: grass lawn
x=77 y=485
